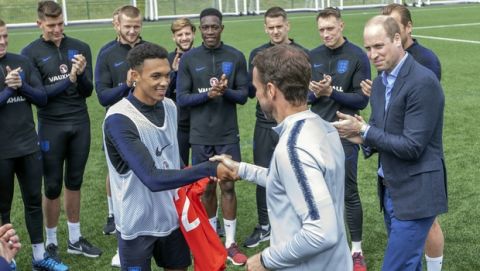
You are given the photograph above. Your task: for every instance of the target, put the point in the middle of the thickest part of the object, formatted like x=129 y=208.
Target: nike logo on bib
x=159 y=152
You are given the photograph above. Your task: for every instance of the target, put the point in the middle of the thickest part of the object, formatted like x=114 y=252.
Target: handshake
x=227 y=169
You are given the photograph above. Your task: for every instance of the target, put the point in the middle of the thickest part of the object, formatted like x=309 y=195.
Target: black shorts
x=201 y=153
x=68 y=145
x=169 y=252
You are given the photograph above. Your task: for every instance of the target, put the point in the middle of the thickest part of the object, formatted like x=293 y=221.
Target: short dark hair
x=180 y=23
x=2 y=23
x=405 y=16
x=327 y=12
x=137 y=55
x=48 y=9
x=389 y=24
x=129 y=11
x=288 y=68
x=275 y=12
x=211 y=12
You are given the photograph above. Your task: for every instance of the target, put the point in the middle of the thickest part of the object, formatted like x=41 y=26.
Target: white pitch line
x=447 y=39
x=444 y=26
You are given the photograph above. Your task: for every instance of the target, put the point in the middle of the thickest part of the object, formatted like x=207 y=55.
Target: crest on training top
x=63 y=68
x=227 y=68
x=342 y=66
x=213 y=81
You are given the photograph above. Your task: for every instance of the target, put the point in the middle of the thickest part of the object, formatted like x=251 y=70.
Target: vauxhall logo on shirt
x=227 y=68
x=16 y=99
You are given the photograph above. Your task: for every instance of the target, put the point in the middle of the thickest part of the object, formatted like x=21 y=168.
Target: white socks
x=51 y=236
x=357 y=247
x=38 y=251
x=434 y=264
x=74 y=232
x=230 y=228
x=213 y=222
x=110 y=206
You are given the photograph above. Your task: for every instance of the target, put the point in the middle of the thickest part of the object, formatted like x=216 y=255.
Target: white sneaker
x=116 y=260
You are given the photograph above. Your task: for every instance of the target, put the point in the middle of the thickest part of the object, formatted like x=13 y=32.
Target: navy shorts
x=201 y=153
x=169 y=252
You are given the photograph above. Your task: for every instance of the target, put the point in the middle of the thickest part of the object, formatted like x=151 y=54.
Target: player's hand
x=254 y=263
x=227 y=169
x=322 y=87
x=9 y=242
x=13 y=78
x=79 y=62
x=366 y=87
x=176 y=61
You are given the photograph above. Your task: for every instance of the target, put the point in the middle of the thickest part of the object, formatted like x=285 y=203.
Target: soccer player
x=338 y=67
x=264 y=138
x=303 y=181
x=141 y=147
x=21 y=86
x=183 y=34
x=405 y=128
x=112 y=79
x=212 y=79
x=64 y=125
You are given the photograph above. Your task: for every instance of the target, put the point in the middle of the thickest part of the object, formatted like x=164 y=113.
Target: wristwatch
x=363 y=129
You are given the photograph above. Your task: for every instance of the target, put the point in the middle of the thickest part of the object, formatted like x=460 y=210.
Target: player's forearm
x=5 y=95
x=109 y=96
x=239 y=96
x=36 y=95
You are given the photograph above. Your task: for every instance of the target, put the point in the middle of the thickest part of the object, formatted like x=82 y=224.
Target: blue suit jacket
x=408 y=138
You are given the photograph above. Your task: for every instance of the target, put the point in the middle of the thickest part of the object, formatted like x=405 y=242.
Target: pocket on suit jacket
x=423 y=167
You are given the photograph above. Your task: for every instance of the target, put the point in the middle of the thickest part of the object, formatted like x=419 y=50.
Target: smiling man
x=64 y=124
x=140 y=140
x=212 y=80
x=183 y=34
x=405 y=128
x=338 y=68
x=112 y=80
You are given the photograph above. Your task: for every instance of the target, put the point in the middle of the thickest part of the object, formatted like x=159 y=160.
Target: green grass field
x=460 y=66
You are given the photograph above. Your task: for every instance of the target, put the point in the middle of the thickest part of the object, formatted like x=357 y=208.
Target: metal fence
x=23 y=12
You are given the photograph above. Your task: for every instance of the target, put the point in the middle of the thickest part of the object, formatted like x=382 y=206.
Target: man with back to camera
x=265 y=139
x=405 y=128
x=435 y=240
x=338 y=68
x=21 y=86
x=304 y=181
x=212 y=79
x=140 y=139
x=112 y=80
x=64 y=124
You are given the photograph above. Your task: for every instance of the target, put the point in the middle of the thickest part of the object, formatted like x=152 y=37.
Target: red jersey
x=209 y=254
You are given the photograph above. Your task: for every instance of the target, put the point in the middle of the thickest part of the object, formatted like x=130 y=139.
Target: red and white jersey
x=209 y=254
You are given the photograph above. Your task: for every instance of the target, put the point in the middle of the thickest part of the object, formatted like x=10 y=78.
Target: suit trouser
x=406 y=239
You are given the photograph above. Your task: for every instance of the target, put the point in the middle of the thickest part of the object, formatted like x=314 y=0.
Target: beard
x=184 y=49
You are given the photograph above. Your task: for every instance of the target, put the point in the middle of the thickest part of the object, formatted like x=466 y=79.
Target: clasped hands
x=219 y=88
x=9 y=242
x=322 y=87
x=13 y=78
x=227 y=169
x=79 y=62
x=349 y=127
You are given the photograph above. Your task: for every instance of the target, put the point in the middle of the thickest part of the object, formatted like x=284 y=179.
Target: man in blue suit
x=405 y=128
